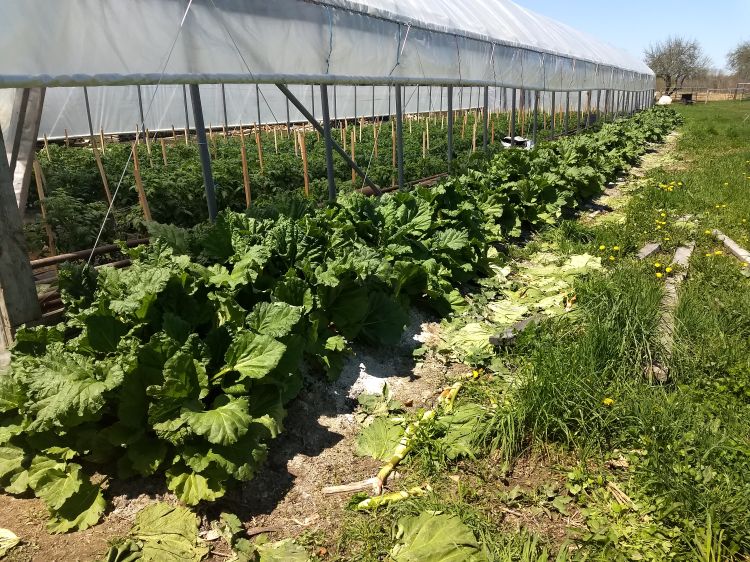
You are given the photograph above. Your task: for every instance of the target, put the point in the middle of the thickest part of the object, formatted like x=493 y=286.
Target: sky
x=718 y=25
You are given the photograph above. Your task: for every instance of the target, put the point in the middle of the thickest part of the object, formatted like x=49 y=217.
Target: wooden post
x=353 y=143
x=424 y=145
x=174 y=134
x=245 y=175
x=427 y=128
x=296 y=145
x=463 y=126
x=101 y=139
x=275 y=141
x=163 y=151
x=224 y=130
x=67 y=140
x=303 y=149
x=38 y=177
x=139 y=184
x=492 y=136
x=474 y=137
x=260 y=149
x=102 y=174
x=187 y=137
x=46 y=148
x=361 y=124
x=18 y=298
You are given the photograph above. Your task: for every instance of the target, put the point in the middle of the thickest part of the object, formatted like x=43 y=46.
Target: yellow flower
x=668 y=269
x=707 y=231
x=679 y=183
x=664 y=214
x=744 y=264
x=657 y=265
x=718 y=253
x=602 y=247
x=667 y=238
x=726 y=183
x=708 y=255
x=611 y=258
x=616 y=248
x=659 y=275
x=608 y=401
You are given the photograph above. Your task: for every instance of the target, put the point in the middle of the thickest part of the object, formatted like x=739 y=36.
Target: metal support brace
x=536 y=116
x=311 y=118
x=187 y=114
x=224 y=107
x=399 y=137
x=88 y=111
x=200 y=131
x=486 y=118
x=140 y=109
x=328 y=142
x=450 y=126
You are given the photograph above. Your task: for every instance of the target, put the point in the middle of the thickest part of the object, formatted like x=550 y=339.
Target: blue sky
x=634 y=24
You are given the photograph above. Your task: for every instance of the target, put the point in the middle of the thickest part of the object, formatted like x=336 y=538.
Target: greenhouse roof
x=469 y=42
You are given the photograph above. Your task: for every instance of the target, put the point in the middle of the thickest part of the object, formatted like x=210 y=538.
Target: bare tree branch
x=676 y=59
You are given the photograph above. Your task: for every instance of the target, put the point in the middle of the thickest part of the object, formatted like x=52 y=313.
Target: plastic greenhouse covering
x=111 y=46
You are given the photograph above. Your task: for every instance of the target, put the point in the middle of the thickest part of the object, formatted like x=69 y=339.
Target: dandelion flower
x=616 y=248
x=668 y=269
x=611 y=258
x=657 y=265
x=602 y=247
x=664 y=214
x=608 y=401
x=708 y=255
x=718 y=253
x=707 y=231
x=659 y=275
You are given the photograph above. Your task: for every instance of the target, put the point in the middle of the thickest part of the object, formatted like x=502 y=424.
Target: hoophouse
x=81 y=68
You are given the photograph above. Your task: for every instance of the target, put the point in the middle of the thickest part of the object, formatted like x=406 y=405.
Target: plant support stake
x=399 y=137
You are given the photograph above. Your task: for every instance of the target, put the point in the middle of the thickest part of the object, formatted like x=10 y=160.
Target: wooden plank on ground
x=737 y=251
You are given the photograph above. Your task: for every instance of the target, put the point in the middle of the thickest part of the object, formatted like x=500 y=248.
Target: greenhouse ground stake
x=450 y=126
x=200 y=131
x=399 y=137
x=328 y=142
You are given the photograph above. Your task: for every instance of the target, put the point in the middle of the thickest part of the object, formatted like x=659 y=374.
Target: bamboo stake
x=410 y=120
x=139 y=184
x=260 y=149
x=303 y=148
x=46 y=148
x=361 y=124
x=38 y=176
x=163 y=151
x=101 y=138
x=102 y=174
x=67 y=140
x=424 y=144
x=492 y=137
x=375 y=136
x=296 y=146
x=224 y=130
x=275 y=141
x=148 y=144
x=353 y=147
x=245 y=176
x=242 y=135
x=174 y=134
x=463 y=126
x=474 y=137
x=427 y=125
x=187 y=137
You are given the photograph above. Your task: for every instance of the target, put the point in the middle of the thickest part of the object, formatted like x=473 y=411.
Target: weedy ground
x=583 y=458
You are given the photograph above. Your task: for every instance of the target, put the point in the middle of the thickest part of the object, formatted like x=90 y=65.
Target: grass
x=679 y=452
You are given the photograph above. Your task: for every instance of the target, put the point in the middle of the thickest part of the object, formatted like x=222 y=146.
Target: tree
x=739 y=61
x=676 y=59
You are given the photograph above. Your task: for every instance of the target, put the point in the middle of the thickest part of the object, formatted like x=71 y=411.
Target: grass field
x=622 y=469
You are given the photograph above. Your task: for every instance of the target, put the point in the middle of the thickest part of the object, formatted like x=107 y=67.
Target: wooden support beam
x=18 y=300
